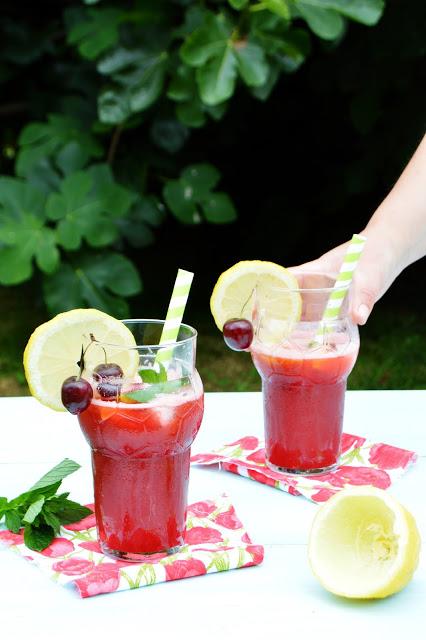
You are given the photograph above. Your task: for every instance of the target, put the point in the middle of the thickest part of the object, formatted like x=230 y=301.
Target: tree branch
x=114 y=143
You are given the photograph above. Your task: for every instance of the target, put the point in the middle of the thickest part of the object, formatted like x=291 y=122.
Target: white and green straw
x=174 y=314
x=342 y=284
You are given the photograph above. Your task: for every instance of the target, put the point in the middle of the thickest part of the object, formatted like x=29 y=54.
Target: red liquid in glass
x=140 y=458
x=303 y=400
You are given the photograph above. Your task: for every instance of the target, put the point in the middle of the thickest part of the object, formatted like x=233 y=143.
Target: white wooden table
x=279 y=597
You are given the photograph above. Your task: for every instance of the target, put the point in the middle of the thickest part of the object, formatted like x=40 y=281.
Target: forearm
x=400 y=221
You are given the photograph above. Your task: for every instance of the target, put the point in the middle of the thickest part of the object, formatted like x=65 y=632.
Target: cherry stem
x=81 y=363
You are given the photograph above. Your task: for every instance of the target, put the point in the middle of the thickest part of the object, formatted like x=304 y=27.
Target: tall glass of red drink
x=304 y=365
x=140 y=428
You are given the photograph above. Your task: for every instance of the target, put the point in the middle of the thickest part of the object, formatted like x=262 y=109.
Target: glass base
x=134 y=557
x=301 y=472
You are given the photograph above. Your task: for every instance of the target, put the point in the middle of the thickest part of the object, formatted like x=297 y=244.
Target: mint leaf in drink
x=162 y=374
x=151 y=376
x=38 y=537
x=40 y=511
x=33 y=510
x=61 y=471
x=148 y=394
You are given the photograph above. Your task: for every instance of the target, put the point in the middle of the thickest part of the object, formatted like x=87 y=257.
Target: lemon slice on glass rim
x=54 y=349
x=257 y=290
x=363 y=544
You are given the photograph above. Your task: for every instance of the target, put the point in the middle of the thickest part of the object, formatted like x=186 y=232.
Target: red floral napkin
x=361 y=463
x=215 y=541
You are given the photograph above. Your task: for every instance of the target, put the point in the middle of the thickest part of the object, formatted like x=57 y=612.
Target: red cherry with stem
x=107 y=370
x=76 y=394
x=106 y=374
x=238 y=333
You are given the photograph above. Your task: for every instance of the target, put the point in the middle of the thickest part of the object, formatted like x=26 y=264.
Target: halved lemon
x=53 y=350
x=256 y=286
x=363 y=544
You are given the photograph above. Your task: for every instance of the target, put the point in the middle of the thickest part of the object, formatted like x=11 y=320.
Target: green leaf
x=279 y=7
x=77 y=212
x=367 y=12
x=238 y=4
x=252 y=65
x=191 y=113
x=325 y=23
x=193 y=191
x=15 y=264
x=179 y=199
x=219 y=208
x=33 y=510
x=90 y=281
x=200 y=178
x=216 y=78
x=38 y=538
x=150 y=376
x=115 y=272
x=56 y=474
x=71 y=157
x=67 y=511
x=208 y=41
x=148 y=89
x=41 y=140
x=47 y=255
x=86 y=206
x=148 y=394
x=97 y=32
x=21 y=229
x=114 y=199
x=25 y=499
x=169 y=134
x=263 y=92
x=3 y=506
x=113 y=107
x=182 y=86
x=13 y=521
x=139 y=78
x=145 y=213
x=51 y=520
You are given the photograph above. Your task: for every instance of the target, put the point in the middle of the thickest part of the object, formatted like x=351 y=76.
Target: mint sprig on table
x=40 y=511
x=158 y=384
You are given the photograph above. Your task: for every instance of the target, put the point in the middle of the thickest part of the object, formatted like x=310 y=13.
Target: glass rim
x=329 y=290
x=132 y=321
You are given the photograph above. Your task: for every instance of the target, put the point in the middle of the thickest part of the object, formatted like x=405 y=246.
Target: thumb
x=365 y=295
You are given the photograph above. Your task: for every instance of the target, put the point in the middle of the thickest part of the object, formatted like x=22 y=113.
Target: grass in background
x=392 y=355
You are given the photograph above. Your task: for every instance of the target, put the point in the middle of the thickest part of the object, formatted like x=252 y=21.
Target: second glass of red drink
x=140 y=428
x=304 y=366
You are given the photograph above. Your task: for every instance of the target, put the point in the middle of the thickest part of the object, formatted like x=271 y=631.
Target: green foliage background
x=73 y=211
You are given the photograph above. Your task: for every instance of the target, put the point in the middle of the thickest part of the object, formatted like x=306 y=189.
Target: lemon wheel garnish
x=53 y=350
x=250 y=284
x=363 y=544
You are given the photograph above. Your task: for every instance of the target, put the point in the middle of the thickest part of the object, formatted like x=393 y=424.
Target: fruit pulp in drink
x=140 y=459
x=303 y=401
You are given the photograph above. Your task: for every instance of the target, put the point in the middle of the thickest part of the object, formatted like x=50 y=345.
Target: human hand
x=378 y=267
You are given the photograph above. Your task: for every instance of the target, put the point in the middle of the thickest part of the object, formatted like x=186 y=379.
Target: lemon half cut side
x=54 y=349
x=249 y=283
x=363 y=544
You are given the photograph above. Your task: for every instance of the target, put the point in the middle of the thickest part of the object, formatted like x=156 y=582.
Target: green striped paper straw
x=342 y=284
x=175 y=313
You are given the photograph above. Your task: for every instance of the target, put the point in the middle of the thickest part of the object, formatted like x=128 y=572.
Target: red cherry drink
x=303 y=400
x=140 y=458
